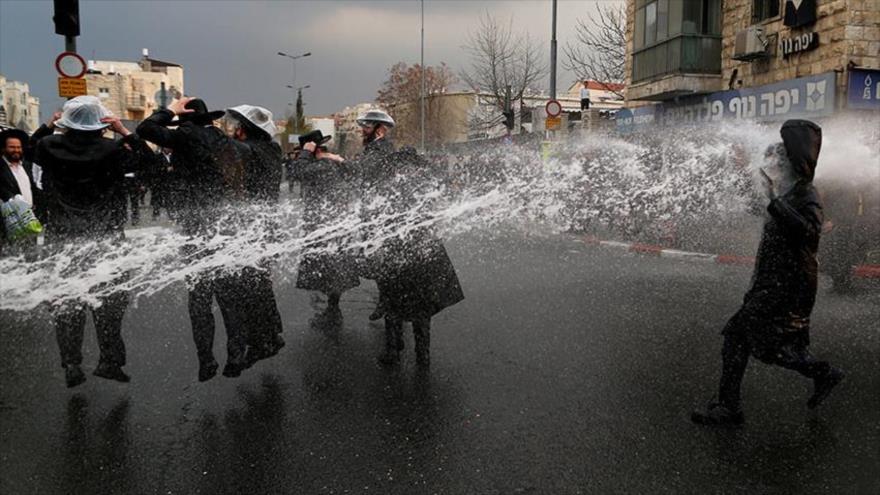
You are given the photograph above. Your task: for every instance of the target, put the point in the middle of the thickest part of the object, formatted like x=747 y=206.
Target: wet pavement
x=568 y=369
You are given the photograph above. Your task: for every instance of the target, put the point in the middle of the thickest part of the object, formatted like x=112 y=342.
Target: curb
x=860 y=271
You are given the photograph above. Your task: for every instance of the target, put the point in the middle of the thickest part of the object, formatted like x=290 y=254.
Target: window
x=662 y=19
x=104 y=92
x=651 y=23
x=676 y=36
x=764 y=9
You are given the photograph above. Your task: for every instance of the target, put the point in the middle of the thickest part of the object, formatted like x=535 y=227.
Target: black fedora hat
x=12 y=132
x=315 y=136
x=200 y=113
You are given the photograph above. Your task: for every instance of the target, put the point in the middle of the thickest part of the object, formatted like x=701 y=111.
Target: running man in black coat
x=773 y=323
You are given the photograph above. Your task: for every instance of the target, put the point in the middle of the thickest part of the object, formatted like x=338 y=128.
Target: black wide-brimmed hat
x=315 y=136
x=16 y=133
x=200 y=113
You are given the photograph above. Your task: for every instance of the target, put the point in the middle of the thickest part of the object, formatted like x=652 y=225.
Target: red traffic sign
x=554 y=108
x=70 y=65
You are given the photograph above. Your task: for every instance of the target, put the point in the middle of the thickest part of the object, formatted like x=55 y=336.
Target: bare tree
x=400 y=94
x=501 y=59
x=600 y=51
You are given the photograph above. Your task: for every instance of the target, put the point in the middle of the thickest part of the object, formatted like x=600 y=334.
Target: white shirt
x=585 y=93
x=24 y=184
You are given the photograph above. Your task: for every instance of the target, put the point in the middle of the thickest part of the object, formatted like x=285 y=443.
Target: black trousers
x=735 y=357
x=394 y=333
x=225 y=289
x=256 y=307
x=70 y=321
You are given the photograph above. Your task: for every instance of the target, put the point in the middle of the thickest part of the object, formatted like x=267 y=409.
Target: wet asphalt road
x=568 y=369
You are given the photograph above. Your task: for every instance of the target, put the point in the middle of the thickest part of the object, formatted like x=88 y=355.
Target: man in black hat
x=254 y=130
x=210 y=173
x=325 y=198
x=17 y=174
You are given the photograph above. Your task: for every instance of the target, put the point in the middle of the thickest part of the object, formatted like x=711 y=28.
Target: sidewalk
x=861 y=271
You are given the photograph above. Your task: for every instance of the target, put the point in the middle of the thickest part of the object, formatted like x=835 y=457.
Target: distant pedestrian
x=773 y=323
x=585 y=96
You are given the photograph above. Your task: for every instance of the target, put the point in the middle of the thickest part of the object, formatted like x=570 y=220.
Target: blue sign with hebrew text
x=804 y=97
x=863 y=90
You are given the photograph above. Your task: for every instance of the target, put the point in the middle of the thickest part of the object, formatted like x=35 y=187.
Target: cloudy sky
x=228 y=48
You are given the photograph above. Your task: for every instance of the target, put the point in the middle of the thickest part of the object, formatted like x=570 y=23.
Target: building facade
x=17 y=107
x=131 y=89
x=706 y=60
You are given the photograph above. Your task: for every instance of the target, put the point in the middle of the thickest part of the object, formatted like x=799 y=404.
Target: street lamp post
x=422 y=102
x=293 y=62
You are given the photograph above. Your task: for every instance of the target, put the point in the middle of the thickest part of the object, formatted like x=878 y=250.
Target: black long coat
x=414 y=272
x=207 y=164
x=83 y=183
x=776 y=309
x=326 y=196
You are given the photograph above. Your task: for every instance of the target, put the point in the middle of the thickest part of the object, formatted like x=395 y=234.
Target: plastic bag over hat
x=83 y=113
x=259 y=117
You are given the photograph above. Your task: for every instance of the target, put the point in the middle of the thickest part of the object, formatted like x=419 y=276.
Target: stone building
x=706 y=60
x=130 y=89
x=17 y=107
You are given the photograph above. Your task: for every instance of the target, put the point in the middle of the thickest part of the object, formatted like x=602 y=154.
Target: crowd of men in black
x=81 y=194
x=81 y=197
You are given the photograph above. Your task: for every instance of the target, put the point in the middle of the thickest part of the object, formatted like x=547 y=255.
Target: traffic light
x=66 y=17
x=509 y=119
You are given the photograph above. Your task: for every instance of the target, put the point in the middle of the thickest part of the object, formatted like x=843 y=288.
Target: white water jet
x=632 y=186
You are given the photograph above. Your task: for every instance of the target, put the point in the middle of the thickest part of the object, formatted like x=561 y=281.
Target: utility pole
x=553 y=56
x=422 y=106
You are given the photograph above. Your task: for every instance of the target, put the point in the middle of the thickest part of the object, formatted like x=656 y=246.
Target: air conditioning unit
x=750 y=44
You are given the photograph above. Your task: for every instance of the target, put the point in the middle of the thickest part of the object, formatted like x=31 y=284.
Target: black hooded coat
x=776 y=309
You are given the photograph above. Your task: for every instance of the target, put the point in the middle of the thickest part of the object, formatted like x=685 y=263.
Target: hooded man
x=326 y=196
x=254 y=130
x=773 y=323
x=83 y=182
x=207 y=165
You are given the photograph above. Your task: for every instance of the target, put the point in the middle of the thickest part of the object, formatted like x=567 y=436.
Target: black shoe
x=111 y=372
x=717 y=415
x=74 y=375
x=208 y=370
x=822 y=387
x=233 y=370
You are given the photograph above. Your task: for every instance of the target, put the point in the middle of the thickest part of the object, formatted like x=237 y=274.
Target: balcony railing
x=684 y=54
